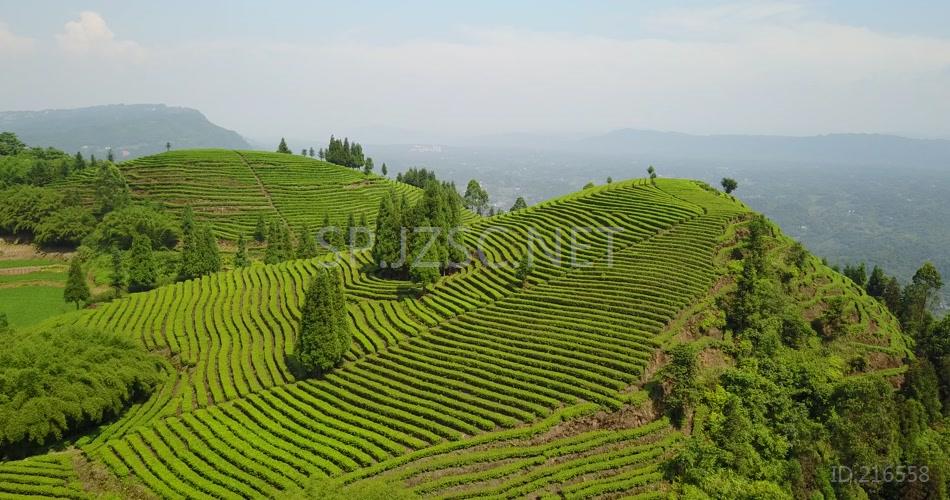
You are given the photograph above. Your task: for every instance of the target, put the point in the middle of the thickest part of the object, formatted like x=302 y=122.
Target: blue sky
x=306 y=68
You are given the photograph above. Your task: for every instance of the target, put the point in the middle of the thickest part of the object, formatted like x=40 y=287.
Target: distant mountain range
x=131 y=130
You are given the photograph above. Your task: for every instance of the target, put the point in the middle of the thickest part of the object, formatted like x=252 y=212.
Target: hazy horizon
x=305 y=69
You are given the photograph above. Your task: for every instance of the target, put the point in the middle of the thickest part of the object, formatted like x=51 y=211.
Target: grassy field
x=31 y=287
x=481 y=387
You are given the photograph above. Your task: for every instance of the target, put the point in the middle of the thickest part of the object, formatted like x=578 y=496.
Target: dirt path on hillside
x=260 y=184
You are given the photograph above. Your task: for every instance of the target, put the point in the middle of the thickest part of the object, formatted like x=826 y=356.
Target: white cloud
x=91 y=35
x=10 y=43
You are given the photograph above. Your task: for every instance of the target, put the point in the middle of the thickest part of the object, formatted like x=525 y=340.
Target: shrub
x=62 y=380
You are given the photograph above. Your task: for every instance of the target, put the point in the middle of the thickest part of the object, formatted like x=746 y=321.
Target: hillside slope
x=231 y=189
x=476 y=361
x=130 y=130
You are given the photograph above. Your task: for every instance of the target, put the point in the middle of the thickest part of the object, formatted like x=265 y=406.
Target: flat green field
x=27 y=305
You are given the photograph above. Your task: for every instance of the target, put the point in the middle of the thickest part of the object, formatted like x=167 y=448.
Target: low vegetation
x=58 y=381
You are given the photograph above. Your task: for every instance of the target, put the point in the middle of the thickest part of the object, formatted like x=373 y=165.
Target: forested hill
x=131 y=130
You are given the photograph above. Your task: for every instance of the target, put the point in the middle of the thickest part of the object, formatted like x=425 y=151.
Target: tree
x=282 y=147
x=425 y=259
x=311 y=152
x=208 y=253
x=143 y=270
x=109 y=156
x=892 y=296
x=303 y=152
x=190 y=266
x=77 y=290
x=324 y=330
x=260 y=229
x=877 y=283
x=679 y=382
x=387 y=248
x=588 y=185
x=117 y=276
x=652 y=173
x=306 y=244
x=79 y=163
x=524 y=269
x=858 y=274
x=241 y=258
x=112 y=192
x=610 y=180
x=729 y=184
x=168 y=146
x=66 y=226
x=519 y=204
x=384 y=170
x=476 y=198
x=10 y=144
x=368 y=166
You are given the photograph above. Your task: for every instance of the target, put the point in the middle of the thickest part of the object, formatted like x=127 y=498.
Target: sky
x=306 y=69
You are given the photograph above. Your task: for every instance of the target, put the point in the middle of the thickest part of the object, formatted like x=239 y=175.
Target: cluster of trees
x=199 y=252
x=417 y=177
x=30 y=208
x=281 y=244
x=343 y=152
x=324 y=335
x=21 y=164
x=57 y=382
x=421 y=241
x=775 y=422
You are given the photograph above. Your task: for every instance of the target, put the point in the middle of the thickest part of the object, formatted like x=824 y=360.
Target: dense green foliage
x=476 y=198
x=324 y=330
x=77 y=290
x=58 y=381
x=143 y=269
x=417 y=177
x=785 y=415
x=199 y=253
x=519 y=204
x=423 y=241
x=729 y=184
x=121 y=227
x=347 y=154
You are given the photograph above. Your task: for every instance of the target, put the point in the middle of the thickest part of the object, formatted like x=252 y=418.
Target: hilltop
x=131 y=130
x=232 y=189
x=441 y=391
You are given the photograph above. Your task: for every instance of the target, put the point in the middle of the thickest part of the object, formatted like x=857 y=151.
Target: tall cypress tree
x=350 y=231
x=389 y=223
x=143 y=271
x=425 y=260
x=286 y=243
x=240 y=258
x=209 y=257
x=77 y=290
x=306 y=243
x=117 y=277
x=282 y=147
x=260 y=229
x=190 y=266
x=324 y=335
x=273 y=253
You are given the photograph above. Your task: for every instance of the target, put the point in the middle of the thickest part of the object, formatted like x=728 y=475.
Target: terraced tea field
x=481 y=387
x=231 y=189
x=477 y=354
